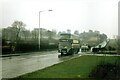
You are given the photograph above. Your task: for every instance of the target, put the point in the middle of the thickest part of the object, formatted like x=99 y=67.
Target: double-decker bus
x=68 y=44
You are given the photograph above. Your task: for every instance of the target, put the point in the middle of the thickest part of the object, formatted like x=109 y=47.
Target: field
x=80 y=67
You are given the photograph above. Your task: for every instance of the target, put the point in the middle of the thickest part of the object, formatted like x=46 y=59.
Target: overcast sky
x=82 y=15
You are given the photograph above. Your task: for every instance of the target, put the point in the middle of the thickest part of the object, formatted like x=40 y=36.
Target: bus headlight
x=65 y=47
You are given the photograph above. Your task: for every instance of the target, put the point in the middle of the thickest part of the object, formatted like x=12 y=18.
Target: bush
x=105 y=71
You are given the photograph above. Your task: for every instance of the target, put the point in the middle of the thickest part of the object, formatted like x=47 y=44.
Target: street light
x=39 y=26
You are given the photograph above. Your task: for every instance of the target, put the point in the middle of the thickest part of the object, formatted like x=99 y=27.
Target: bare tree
x=18 y=26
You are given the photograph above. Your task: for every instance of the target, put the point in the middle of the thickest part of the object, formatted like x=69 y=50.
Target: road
x=19 y=65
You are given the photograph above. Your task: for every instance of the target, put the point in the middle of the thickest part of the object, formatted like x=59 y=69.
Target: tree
x=26 y=34
x=118 y=48
x=102 y=37
x=90 y=31
x=68 y=31
x=50 y=34
x=9 y=33
x=76 y=32
x=12 y=33
x=54 y=31
x=118 y=44
x=35 y=34
x=59 y=32
x=18 y=26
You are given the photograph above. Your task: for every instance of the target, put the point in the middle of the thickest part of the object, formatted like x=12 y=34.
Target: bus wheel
x=59 y=56
x=77 y=51
x=61 y=53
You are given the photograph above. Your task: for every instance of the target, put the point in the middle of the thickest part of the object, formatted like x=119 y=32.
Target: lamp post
x=39 y=27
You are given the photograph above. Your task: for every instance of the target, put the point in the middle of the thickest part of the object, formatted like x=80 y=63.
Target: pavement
x=8 y=55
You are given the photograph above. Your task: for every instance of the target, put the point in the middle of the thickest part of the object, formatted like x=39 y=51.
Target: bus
x=68 y=44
